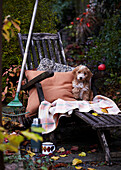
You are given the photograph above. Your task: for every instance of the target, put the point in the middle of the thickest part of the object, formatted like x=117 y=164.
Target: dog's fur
x=81 y=84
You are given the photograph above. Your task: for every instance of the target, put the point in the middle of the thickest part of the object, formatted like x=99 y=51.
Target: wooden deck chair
x=46 y=45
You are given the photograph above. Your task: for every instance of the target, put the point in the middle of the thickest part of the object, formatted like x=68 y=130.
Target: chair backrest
x=42 y=45
x=45 y=45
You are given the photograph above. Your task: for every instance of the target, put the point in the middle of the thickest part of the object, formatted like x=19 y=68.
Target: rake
x=15 y=108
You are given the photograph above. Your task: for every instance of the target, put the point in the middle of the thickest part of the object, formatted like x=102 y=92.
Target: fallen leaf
x=74 y=148
x=78 y=167
x=104 y=110
x=61 y=149
x=55 y=158
x=30 y=153
x=82 y=154
x=68 y=152
x=61 y=165
x=94 y=114
x=76 y=161
x=63 y=156
x=91 y=169
x=93 y=150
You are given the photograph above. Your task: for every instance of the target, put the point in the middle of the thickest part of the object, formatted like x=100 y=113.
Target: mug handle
x=53 y=148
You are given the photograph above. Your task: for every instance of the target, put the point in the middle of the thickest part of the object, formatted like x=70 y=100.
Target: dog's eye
x=85 y=73
x=79 y=71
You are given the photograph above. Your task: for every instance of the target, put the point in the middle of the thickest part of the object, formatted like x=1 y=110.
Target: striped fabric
x=49 y=113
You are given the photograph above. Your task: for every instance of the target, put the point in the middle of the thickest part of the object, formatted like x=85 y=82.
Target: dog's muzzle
x=80 y=76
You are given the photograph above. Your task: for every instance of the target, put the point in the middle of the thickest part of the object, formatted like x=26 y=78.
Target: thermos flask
x=36 y=146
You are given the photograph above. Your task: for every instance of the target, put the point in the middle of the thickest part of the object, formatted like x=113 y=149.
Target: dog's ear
x=74 y=71
x=89 y=74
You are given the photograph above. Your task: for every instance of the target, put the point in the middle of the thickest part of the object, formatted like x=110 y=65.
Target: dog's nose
x=80 y=78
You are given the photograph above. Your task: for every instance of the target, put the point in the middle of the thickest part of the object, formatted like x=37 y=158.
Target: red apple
x=101 y=67
x=88 y=6
x=77 y=18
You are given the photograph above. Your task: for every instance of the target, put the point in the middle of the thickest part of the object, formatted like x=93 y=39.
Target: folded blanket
x=49 y=113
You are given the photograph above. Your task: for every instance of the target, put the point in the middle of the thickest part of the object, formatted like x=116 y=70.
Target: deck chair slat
x=62 y=50
x=110 y=119
x=96 y=118
x=101 y=118
x=44 y=48
x=57 y=51
x=39 y=50
x=34 y=54
x=107 y=127
x=85 y=118
x=116 y=118
x=52 y=55
x=30 y=65
x=45 y=36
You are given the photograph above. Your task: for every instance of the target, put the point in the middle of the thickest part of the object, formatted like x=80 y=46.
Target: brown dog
x=82 y=83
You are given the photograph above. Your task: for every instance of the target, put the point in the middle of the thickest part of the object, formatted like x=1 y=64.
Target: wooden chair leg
x=105 y=146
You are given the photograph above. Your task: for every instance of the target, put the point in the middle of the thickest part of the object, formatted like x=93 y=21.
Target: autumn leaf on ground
x=82 y=154
x=62 y=149
x=55 y=158
x=78 y=167
x=76 y=161
x=30 y=153
x=93 y=150
x=74 y=148
x=68 y=152
x=63 y=156
x=60 y=165
x=91 y=169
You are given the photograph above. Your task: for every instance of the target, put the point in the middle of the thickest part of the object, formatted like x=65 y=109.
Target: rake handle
x=27 y=47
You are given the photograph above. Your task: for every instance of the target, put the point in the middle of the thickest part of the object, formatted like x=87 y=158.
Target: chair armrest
x=37 y=79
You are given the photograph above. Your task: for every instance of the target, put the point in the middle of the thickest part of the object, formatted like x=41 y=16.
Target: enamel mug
x=48 y=148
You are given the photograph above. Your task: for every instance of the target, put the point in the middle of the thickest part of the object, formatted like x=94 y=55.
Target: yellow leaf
x=76 y=161
x=62 y=149
x=91 y=169
x=6 y=36
x=31 y=135
x=7 y=25
x=30 y=153
x=78 y=167
x=2 y=147
x=94 y=114
x=63 y=155
x=15 y=140
x=37 y=129
x=55 y=158
x=16 y=25
x=104 y=110
x=17 y=21
x=82 y=154
x=2 y=129
x=11 y=147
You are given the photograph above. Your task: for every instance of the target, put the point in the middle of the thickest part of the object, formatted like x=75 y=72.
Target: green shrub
x=22 y=10
x=107 y=46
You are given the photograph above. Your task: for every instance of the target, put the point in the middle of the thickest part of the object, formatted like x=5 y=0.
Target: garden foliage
x=107 y=46
x=22 y=11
